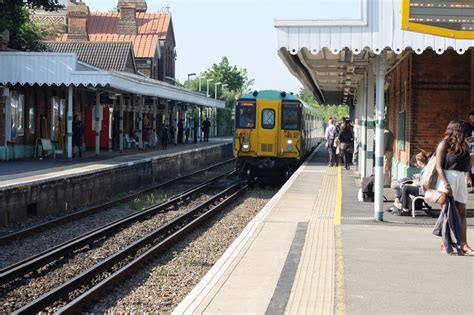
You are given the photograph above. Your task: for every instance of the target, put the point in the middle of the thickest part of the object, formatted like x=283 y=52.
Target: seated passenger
x=409 y=186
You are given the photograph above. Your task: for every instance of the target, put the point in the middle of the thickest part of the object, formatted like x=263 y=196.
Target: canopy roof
x=63 y=69
x=328 y=56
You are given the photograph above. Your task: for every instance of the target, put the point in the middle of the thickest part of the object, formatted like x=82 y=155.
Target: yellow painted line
x=339 y=287
x=338 y=211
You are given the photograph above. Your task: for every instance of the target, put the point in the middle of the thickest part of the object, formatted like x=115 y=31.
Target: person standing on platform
x=206 y=127
x=77 y=135
x=470 y=141
x=187 y=131
x=346 y=139
x=180 y=131
x=452 y=165
x=330 y=136
x=164 y=136
x=387 y=157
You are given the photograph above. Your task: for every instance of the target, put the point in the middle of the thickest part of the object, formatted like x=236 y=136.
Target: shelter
x=42 y=91
x=416 y=82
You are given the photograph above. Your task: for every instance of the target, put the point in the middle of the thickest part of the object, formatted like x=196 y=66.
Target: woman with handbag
x=346 y=138
x=452 y=166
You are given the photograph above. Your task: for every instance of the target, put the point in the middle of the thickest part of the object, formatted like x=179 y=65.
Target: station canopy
x=63 y=69
x=330 y=56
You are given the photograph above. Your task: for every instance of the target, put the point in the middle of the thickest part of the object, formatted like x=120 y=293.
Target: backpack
x=367 y=189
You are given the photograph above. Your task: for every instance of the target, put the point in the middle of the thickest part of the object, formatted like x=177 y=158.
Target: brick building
x=151 y=33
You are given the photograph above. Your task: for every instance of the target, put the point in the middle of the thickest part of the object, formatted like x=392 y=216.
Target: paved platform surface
x=315 y=249
x=15 y=172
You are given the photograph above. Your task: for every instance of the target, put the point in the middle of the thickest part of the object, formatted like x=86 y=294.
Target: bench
x=414 y=199
x=47 y=147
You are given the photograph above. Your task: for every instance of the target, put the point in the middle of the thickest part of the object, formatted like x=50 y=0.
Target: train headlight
x=245 y=147
x=289 y=145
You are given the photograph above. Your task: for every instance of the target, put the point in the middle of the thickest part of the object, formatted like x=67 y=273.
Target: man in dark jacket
x=206 y=127
x=77 y=135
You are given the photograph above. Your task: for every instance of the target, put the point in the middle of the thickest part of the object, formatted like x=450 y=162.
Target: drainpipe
x=122 y=104
x=379 y=113
x=69 y=122
x=97 y=123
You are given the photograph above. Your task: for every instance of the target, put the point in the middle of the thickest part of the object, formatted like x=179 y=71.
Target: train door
x=268 y=120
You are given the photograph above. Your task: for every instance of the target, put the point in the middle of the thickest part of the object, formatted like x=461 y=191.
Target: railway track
x=32 y=263
x=95 y=209
x=77 y=292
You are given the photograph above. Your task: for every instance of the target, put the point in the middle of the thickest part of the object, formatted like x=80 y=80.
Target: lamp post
x=189 y=78
x=207 y=88
x=215 y=89
x=200 y=83
x=223 y=87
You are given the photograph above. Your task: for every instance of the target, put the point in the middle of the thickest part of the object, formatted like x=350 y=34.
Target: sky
x=242 y=30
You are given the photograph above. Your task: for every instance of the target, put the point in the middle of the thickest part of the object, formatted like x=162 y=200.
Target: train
x=274 y=132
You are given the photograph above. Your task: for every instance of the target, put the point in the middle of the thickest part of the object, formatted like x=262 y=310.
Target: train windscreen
x=245 y=116
x=291 y=117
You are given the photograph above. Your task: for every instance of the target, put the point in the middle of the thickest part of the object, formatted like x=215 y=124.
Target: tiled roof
x=97 y=54
x=152 y=27
x=148 y=23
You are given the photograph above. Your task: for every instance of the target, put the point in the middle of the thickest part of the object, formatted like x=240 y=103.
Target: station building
x=391 y=77
x=114 y=70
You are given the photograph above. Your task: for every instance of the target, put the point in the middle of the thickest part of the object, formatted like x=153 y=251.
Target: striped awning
x=63 y=69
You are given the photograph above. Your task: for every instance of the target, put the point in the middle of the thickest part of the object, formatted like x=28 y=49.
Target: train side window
x=268 y=118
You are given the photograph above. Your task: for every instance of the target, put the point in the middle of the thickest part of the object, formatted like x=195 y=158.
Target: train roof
x=274 y=95
x=269 y=95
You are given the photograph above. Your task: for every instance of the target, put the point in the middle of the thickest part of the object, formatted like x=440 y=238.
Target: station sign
x=447 y=18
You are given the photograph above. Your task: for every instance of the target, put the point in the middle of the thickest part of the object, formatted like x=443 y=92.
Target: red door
x=89 y=133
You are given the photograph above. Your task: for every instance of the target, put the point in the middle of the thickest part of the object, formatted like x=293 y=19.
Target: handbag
x=345 y=145
x=435 y=196
x=430 y=175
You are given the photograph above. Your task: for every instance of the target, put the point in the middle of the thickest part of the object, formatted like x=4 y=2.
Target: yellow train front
x=274 y=132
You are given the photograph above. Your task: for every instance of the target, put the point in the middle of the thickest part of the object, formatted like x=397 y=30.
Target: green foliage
x=335 y=111
x=237 y=82
x=15 y=17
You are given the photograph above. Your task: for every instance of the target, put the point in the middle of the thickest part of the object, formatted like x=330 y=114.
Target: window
x=55 y=118
x=245 y=117
x=291 y=117
x=268 y=119
x=16 y=115
x=401 y=131
x=31 y=120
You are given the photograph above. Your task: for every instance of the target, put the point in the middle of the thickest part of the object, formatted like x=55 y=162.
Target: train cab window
x=291 y=117
x=268 y=118
x=245 y=117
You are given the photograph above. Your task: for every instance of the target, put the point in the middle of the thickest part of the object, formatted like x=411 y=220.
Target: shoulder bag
x=430 y=175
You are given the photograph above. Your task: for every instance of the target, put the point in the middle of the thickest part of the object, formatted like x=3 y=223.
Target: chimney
x=127 y=24
x=4 y=38
x=77 y=22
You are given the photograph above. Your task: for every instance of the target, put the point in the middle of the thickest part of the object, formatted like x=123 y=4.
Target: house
x=151 y=34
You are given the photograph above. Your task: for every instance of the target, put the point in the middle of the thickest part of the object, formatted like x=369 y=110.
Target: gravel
x=13 y=296
x=18 y=250
x=164 y=282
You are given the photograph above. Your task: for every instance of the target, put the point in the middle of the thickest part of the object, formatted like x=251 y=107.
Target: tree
x=327 y=111
x=237 y=82
x=15 y=16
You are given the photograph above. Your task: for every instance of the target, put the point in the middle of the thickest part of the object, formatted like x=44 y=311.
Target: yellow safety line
x=338 y=211
x=340 y=293
x=339 y=298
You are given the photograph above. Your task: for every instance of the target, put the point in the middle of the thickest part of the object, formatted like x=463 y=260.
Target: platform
x=315 y=249
x=41 y=187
